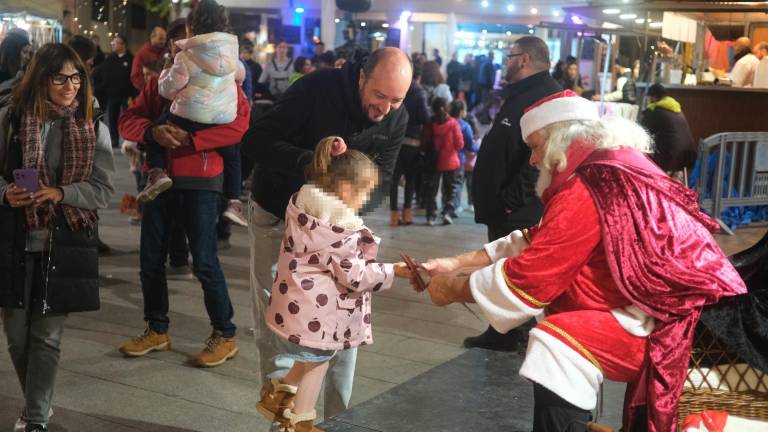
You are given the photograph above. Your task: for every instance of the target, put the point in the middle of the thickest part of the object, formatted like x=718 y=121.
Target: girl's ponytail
x=321 y=160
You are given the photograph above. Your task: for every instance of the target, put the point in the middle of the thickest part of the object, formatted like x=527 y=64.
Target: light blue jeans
x=266 y=232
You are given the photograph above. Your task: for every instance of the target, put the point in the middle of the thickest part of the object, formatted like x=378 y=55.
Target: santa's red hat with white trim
x=562 y=106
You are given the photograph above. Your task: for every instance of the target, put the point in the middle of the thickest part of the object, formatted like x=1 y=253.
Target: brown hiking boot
x=394 y=218
x=276 y=397
x=300 y=422
x=146 y=343
x=218 y=349
x=407 y=216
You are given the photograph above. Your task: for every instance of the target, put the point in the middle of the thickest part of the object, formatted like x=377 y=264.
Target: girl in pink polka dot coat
x=326 y=272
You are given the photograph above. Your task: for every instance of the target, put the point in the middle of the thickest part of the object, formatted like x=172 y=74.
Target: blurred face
x=384 y=90
x=573 y=72
x=281 y=50
x=354 y=197
x=26 y=55
x=118 y=45
x=319 y=49
x=64 y=85
x=307 y=68
x=148 y=73
x=158 y=37
x=761 y=53
x=246 y=55
x=468 y=59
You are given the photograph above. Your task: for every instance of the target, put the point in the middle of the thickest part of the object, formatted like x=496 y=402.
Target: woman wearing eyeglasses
x=56 y=170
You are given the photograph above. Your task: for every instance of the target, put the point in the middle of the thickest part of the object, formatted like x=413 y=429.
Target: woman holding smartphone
x=49 y=233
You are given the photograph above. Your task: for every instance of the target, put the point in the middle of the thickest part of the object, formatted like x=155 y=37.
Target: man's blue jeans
x=198 y=211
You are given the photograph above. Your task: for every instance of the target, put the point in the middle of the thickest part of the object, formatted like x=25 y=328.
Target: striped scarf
x=78 y=147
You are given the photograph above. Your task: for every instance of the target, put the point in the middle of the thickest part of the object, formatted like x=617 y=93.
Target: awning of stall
x=41 y=8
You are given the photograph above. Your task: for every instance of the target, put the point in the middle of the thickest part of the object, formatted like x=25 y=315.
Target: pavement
x=97 y=389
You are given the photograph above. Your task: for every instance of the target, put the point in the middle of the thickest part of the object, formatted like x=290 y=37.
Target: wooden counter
x=714 y=109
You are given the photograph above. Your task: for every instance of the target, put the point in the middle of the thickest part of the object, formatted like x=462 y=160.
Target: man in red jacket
x=197 y=172
x=152 y=51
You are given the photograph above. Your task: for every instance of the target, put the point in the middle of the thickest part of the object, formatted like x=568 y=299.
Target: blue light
x=299 y=10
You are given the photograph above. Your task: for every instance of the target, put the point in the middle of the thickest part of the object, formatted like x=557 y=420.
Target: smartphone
x=26 y=178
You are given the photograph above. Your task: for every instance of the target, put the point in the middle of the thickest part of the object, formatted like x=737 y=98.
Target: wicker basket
x=719 y=380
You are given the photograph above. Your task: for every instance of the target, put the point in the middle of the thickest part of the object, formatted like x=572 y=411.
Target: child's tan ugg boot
x=300 y=422
x=275 y=398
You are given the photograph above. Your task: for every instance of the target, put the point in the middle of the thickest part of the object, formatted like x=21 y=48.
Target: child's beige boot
x=300 y=422
x=275 y=398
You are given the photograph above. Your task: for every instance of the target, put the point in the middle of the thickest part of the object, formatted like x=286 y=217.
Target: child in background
x=326 y=272
x=467 y=155
x=203 y=83
x=444 y=135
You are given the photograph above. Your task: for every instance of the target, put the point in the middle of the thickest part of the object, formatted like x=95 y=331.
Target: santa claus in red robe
x=616 y=272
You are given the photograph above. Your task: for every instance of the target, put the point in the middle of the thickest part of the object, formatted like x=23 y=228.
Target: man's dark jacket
x=674 y=146
x=321 y=104
x=113 y=77
x=504 y=183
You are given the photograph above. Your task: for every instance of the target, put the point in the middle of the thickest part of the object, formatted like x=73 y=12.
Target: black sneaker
x=492 y=340
x=36 y=428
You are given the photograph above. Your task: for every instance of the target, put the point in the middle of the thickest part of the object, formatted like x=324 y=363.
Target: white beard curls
x=543 y=182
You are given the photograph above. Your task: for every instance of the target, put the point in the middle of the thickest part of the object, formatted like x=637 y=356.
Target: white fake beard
x=543 y=182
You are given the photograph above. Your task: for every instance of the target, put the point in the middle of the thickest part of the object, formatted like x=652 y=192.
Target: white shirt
x=761 y=74
x=743 y=71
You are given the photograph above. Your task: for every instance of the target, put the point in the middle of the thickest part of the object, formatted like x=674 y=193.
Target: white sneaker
x=21 y=423
x=447 y=219
x=234 y=213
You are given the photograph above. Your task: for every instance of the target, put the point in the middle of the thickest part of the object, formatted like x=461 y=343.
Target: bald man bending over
x=362 y=103
x=745 y=63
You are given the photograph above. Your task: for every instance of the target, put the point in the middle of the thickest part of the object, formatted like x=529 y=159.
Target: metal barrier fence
x=740 y=175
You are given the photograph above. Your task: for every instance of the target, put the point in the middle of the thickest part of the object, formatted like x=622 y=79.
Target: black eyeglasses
x=61 y=79
x=509 y=56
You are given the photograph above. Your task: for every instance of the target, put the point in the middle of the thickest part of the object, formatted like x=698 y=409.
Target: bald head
x=384 y=80
x=742 y=43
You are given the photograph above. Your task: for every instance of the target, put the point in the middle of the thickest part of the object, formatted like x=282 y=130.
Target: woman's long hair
x=431 y=75
x=32 y=94
x=10 y=52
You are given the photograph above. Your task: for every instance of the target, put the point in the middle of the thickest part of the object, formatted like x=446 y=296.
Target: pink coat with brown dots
x=321 y=296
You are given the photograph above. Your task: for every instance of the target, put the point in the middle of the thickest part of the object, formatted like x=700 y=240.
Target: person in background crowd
x=444 y=136
x=744 y=63
x=418 y=59
x=51 y=125
x=15 y=53
x=326 y=60
x=625 y=84
x=409 y=157
x=467 y=155
x=360 y=103
x=112 y=78
x=571 y=79
x=246 y=53
x=277 y=71
x=433 y=83
x=436 y=57
x=84 y=48
x=318 y=51
x=194 y=201
x=99 y=56
x=467 y=80
x=301 y=67
x=453 y=74
x=674 y=147
x=339 y=63
x=504 y=182
x=558 y=73
x=761 y=70
x=155 y=48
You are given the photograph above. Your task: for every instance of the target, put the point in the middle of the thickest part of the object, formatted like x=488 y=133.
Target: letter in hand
x=419 y=276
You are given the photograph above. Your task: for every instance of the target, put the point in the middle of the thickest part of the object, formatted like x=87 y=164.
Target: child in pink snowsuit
x=326 y=272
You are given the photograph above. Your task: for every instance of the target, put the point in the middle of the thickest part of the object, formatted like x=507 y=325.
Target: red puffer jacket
x=447 y=141
x=198 y=160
